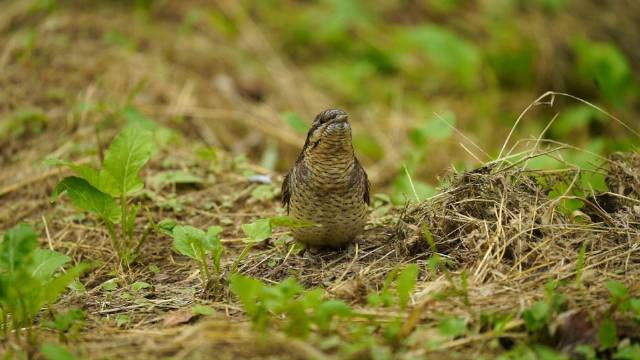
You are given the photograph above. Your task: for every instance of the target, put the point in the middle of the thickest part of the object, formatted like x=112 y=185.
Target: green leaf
x=587 y=351
x=124 y=159
x=214 y=245
x=16 y=248
x=607 y=334
x=258 y=230
x=140 y=285
x=109 y=285
x=329 y=309
x=188 y=241
x=617 y=290
x=64 y=321
x=122 y=320
x=213 y=232
x=452 y=327
x=537 y=316
x=296 y=122
x=167 y=225
x=86 y=197
x=263 y=192
x=202 y=310
x=46 y=262
x=405 y=282
x=88 y=173
x=131 y=219
x=56 y=352
x=164 y=178
x=53 y=288
x=247 y=290
x=628 y=352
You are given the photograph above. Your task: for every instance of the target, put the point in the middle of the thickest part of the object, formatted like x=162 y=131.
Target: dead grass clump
x=515 y=219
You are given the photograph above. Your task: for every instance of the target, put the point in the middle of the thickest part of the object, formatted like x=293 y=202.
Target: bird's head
x=330 y=133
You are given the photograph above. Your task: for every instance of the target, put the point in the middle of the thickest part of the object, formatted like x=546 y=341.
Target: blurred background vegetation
x=249 y=76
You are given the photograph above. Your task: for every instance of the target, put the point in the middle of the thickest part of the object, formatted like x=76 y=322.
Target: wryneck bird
x=327 y=186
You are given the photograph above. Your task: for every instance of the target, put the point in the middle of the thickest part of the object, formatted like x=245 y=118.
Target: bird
x=327 y=188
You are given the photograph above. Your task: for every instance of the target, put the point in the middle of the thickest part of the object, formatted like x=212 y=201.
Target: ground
x=486 y=245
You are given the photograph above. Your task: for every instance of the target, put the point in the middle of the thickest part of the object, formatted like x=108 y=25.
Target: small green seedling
x=37 y=272
x=69 y=322
x=287 y=303
x=106 y=192
x=405 y=281
x=198 y=245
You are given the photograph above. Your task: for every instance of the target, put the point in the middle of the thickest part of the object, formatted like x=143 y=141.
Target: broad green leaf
x=187 y=240
x=56 y=352
x=46 y=262
x=124 y=159
x=452 y=327
x=52 y=289
x=88 y=198
x=87 y=172
x=164 y=178
x=405 y=282
x=258 y=230
x=16 y=248
x=202 y=310
x=607 y=334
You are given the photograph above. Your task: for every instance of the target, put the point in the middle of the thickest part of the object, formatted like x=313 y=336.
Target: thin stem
x=5 y=328
x=204 y=265
x=114 y=239
x=123 y=209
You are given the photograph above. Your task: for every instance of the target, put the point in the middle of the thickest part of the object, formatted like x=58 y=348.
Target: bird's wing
x=362 y=176
x=286 y=190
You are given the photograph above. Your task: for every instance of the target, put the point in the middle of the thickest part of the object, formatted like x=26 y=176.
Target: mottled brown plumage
x=327 y=185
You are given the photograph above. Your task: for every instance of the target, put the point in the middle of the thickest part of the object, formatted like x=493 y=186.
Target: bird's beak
x=341 y=119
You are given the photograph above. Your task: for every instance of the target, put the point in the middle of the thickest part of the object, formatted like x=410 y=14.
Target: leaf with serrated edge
x=124 y=159
x=88 y=198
